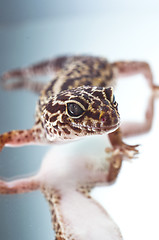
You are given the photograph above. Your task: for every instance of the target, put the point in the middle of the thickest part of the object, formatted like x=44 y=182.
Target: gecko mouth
x=102 y=129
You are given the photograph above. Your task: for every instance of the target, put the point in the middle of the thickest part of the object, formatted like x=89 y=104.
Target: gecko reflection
x=66 y=177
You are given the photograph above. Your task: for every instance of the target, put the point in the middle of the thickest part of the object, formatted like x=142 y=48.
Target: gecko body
x=78 y=102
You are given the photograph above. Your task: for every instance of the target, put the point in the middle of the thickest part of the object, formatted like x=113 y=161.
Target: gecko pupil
x=74 y=110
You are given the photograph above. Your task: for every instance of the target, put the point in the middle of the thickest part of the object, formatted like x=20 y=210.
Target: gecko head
x=79 y=112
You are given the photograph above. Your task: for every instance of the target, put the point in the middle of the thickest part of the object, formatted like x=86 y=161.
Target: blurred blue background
x=35 y=30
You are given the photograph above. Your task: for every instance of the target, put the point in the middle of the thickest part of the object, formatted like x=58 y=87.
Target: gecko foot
x=2 y=187
x=124 y=150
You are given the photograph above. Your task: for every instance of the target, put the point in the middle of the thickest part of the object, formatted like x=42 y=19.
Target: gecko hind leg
x=23 y=76
x=19 y=186
x=24 y=83
x=130 y=68
x=129 y=129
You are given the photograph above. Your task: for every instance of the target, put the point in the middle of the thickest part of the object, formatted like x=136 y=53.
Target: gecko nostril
x=103 y=119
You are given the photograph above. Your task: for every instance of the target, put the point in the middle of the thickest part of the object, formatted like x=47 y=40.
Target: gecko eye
x=74 y=110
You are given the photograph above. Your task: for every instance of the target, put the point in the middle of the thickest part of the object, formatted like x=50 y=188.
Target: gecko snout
x=109 y=118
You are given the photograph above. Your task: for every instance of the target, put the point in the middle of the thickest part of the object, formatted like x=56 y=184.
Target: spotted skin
x=79 y=101
x=79 y=80
x=53 y=199
x=82 y=78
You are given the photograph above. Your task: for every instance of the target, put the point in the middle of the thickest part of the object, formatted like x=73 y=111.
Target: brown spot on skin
x=46 y=117
x=67 y=83
x=38 y=130
x=108 y=121
x=89 y=123
x=66 y=130
x=98 y=125
x=86 y=97
x=68 y=74
x=88 y=83
x=76 y=129
x=113 y=114
x=37 y=122
x=92 y=115
x=89 y=90
x=96 y=103
x=47 y=130
x=59 y=132
x=78 y=70
x=51 y=85
x=53 y=118
x=108 y=92
x=102 y=64
x=59 y=62
x=115 y=121
x=105 y=108
x=103 y=84
x=62 y=97
x=55 y=132
x=58 y=227
x=56 y=127
x=55 y=108
x=54 y=219
x=20 y=131
x=98 y=94
x=65 y=119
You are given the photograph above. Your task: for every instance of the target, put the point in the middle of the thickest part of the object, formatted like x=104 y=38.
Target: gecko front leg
x=21 y=137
